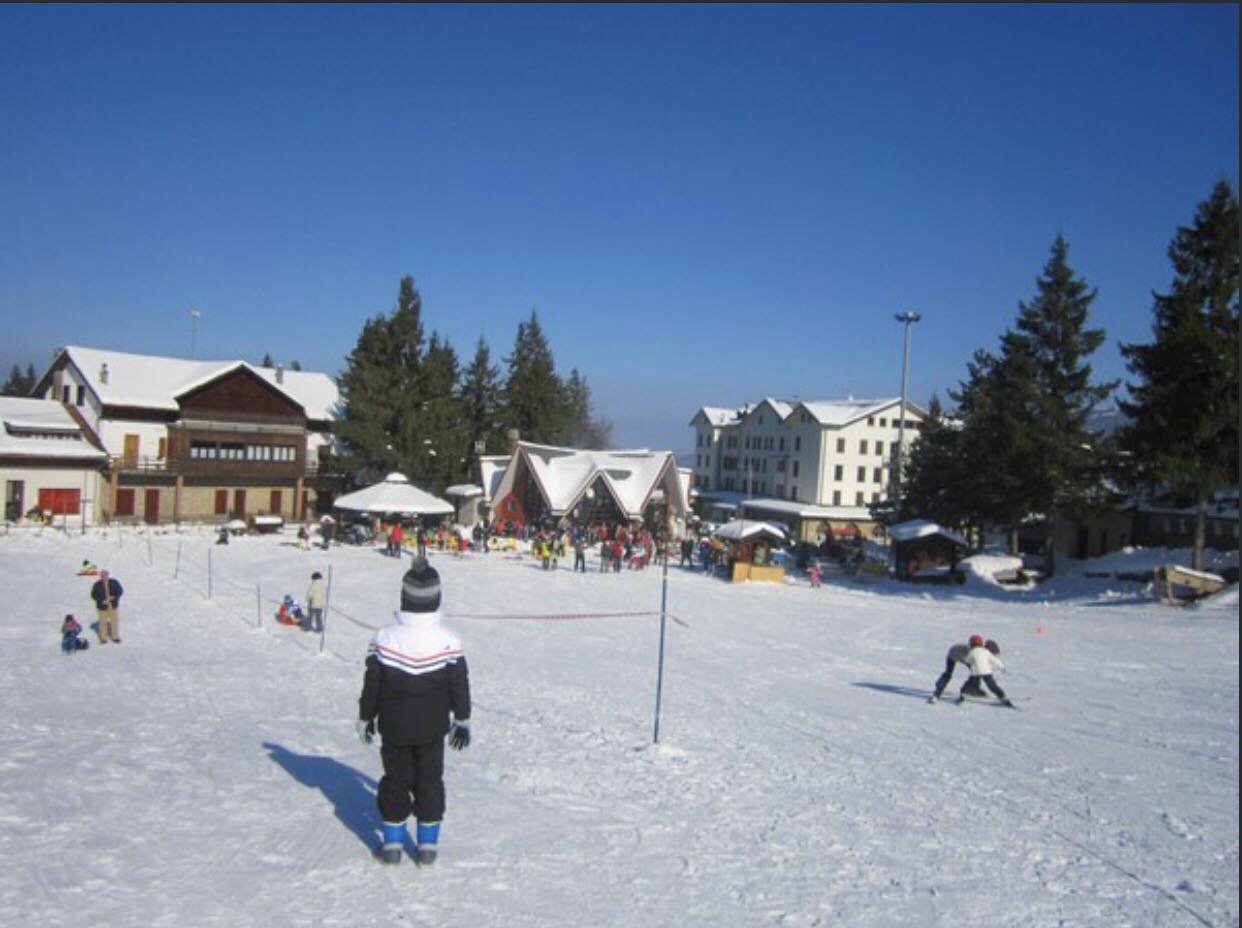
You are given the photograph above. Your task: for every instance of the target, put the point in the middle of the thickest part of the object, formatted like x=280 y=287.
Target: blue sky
x=705 y=204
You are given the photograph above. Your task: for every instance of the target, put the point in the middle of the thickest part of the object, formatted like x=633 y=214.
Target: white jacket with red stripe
x=416 y=681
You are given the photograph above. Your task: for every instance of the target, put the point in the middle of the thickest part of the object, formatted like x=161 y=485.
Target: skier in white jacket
x=981 y=662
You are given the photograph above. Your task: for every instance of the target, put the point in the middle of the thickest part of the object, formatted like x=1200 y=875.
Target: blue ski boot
x=394 y=838
x=428 y=835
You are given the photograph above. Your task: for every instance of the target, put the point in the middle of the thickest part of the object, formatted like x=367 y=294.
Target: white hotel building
x=804 y=463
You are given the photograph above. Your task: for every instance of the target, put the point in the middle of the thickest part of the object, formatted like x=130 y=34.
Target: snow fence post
x=660 y=669
x=177 y=565
x=327 y=601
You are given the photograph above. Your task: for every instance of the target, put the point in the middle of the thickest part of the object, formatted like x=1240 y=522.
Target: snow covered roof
x=41 y=429
x=921 y=528
x=717 y=416
x=781 y=408
x=843 y=412
x=468 y=490
x=155 y=382
x=740 y=529
x=795 y=508
x=492 y=471
x=565 y=474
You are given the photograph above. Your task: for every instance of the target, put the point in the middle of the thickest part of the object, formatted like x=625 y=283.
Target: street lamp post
x=908 y=319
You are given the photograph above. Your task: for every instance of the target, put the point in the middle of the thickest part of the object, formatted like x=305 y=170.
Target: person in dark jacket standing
x=418 y=688
x=107 y=596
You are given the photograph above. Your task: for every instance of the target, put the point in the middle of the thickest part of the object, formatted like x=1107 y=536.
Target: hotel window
x=841 y=445
x=838 y=473
x=879 y=447
x=884 y=423
x=795 y=470
x=81 y=395
x=862 y=446
x=793 y=491
x=862 y=475
x=64 y=394
x=870 y=420
x=797 y=443
x=877 y=475
x=859 y=500
x=698 y=460
x=836 y=497
x=875 y=497
x=707 y=460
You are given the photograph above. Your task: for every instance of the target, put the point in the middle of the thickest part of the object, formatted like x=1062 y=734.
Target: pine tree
x=534 y=401
x=267 y=360
x=480 y=402
x=936 y=484
x=443 y=457
x=380 y=421
x=583 y=429
x=19 y=384
x=1182 y=437
x=994 y=405
x=1050 y=393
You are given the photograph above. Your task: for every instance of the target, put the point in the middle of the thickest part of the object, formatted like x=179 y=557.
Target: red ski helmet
x=976 y=641
x=993 y=647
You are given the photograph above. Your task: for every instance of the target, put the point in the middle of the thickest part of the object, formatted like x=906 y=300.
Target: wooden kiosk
x=751 y=545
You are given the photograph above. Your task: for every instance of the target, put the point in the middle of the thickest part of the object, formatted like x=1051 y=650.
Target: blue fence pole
x=660 y=670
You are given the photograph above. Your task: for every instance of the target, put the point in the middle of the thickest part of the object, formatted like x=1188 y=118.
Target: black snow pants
x=979 y=682
x=971 y=687
x=413 y=782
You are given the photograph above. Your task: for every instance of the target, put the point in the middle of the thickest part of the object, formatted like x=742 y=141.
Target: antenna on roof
x=194 y=314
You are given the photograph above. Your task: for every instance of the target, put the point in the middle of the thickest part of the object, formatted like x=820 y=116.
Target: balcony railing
x=150 y=465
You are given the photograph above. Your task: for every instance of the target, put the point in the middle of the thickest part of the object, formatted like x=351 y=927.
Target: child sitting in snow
x=290 y=613
x=88 y=570
x=70 y=630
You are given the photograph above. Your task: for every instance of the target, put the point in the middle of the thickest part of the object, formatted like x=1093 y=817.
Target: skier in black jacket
x=418 y=687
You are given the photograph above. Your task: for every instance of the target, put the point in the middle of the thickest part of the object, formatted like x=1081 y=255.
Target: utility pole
x=908 y=319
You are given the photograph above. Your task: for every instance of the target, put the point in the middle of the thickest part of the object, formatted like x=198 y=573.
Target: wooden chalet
x=199 y=440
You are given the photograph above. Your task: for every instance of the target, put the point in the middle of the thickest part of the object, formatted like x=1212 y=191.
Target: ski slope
x=205 y=772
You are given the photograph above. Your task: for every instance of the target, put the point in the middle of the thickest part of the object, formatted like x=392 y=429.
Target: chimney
x=280 y=373
x=103 y=372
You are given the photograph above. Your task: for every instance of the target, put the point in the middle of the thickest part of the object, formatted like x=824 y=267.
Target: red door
x=276 y=501
x=59 y=502
x=124 y=502
x=222 y=502
x=151 y=507
x=239 y=503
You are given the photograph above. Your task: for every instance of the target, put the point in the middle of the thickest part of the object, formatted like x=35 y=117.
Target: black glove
x=459 y=736
x=365 y=730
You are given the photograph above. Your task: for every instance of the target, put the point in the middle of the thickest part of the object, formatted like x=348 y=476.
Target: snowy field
x=205 y=772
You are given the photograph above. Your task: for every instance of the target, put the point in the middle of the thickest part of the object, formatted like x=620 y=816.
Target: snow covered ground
x=205 y=772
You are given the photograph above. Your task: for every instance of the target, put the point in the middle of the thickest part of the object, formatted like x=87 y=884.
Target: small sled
x=289 y=613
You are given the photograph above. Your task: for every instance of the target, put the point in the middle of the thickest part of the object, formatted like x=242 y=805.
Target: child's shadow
x=351 y=793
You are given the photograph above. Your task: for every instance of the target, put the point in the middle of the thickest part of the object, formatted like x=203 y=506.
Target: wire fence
x=190 y=560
